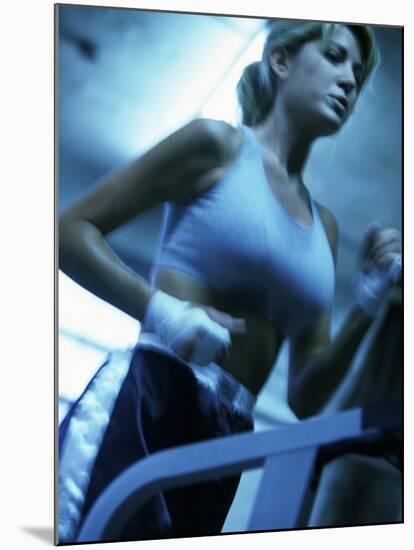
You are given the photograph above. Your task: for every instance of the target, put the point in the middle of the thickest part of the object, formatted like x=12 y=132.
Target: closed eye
x=333 y=55
x=339 y=56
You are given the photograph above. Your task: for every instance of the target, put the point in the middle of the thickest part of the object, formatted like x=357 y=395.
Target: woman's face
x=322 y=82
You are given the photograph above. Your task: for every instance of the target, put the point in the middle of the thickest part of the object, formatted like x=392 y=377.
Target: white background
x=27 y=245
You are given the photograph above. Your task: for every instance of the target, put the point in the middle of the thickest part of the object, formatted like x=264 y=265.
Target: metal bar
x=202 y=461
x=283 y=490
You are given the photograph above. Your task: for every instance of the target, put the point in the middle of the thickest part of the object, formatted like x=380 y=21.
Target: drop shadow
x=43 y=533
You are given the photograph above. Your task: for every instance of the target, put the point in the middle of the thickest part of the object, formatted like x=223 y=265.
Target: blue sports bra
x=239 y=239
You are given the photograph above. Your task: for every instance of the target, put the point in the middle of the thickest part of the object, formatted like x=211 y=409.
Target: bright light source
x=222 y=103
x=96 y=327
x=82 y=313
x=182 y=96
x=77 y=364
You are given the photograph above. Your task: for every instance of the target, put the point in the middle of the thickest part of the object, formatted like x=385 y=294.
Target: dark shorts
x=162 y=403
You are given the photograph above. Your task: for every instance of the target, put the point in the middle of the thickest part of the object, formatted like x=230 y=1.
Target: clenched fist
x=380 y=267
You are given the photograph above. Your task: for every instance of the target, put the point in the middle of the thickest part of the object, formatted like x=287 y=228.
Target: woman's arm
x=185 y=163
x=377 y=375
x=317 y=364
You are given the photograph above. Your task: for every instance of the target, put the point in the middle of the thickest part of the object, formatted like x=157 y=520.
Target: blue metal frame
x=288 y=455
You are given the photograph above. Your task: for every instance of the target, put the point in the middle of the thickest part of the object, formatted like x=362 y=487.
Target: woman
x=246 y=260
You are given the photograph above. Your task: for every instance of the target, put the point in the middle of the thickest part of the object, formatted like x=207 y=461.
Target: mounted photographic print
x=229 y=274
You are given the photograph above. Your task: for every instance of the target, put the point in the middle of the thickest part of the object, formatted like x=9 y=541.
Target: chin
x=329 y=125
x=331 y=130
x=331 y=120
x=322 y=123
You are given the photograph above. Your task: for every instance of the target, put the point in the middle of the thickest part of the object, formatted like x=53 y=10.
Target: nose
x=347 y=80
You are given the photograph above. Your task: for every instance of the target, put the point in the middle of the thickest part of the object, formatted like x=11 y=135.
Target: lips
x=340 y=102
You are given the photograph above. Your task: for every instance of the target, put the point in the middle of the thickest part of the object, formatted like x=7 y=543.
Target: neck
x=287 y=140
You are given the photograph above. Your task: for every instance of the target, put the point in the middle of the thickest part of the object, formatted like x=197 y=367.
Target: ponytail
x=255 y=95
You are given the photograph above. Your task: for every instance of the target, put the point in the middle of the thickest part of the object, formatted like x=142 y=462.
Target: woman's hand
x=200 y=335
x=380 y=249
x=380 y=267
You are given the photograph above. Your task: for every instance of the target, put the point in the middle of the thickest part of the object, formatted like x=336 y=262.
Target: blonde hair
x=256 y=89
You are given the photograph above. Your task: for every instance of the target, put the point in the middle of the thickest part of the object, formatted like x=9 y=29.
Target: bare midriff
x=253 y=353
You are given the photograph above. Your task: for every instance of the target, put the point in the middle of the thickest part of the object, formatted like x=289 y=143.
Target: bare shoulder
x=331 y=227
x=201 y=153
x=194 y=151
x=182 y=164
x=216 y=137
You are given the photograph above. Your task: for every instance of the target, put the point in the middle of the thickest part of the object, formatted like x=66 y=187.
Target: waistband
x=212 y=376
